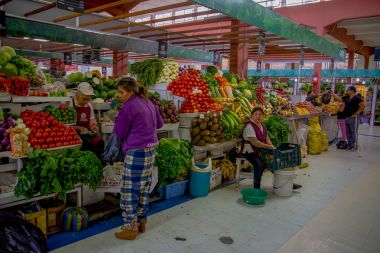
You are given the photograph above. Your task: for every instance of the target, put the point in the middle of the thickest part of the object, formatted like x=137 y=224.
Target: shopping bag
x=113 y=152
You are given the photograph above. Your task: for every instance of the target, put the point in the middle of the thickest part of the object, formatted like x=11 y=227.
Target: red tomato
x=49 y=140
x=56 y=139
x=37 y=146
x=51 y=145
x=33 y=141
x=48 y=130
x=35 y=124
x=53 y=134
x=65 y=143
x=50 y=118
x=72 y=142
x=54 y=129
x=55 y=122
x=44 y=124
x=41 y=141
x=44 y=146
x=69 y=138
x=45 y=135
x=38 y=135
x=63 y=139
x=59 y=134
x=59 y=144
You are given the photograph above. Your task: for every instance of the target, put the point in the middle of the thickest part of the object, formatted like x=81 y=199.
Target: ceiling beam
x=98 y=8
x=152 y=21
x=137 y=13
x=185 y=24
x=42 y=9
x=193 y=31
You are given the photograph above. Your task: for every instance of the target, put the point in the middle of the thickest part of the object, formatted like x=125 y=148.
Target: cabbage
x=4 y=58
x=247 y=93
x=75 y=77
x=10 y=70
x=8 y=50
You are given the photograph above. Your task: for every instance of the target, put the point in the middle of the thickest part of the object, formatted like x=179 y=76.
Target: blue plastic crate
x=173 y=190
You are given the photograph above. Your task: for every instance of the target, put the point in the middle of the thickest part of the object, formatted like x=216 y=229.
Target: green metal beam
x=254 y=14
x=50 y=55
x=25 y=27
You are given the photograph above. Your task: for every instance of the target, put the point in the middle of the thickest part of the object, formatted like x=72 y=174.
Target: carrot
x=222 y=92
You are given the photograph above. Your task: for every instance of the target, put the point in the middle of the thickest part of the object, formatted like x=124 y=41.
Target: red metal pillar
x=120 y=63
x=366 y=61
x=57 y=64
x=239 y=56
x=350 y=64
x=292 y=66
x=318 y=70
x=267 y=65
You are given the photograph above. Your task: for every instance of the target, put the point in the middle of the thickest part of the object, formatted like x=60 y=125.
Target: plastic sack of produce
x=18 y=235
x=74 y=219
x=314 y=142
x=113 y=151
x=314 y=124
x=302 y=131
x=325 y=141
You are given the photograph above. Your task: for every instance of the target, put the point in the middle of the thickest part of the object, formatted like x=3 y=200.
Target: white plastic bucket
x=283 y=182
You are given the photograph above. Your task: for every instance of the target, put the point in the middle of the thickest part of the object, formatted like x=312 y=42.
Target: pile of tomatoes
x=47 y=132
x=189 y=86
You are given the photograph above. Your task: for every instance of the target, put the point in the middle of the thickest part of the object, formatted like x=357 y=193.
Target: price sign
x=162 y=49
x=258 y=67
x=104 y=71
x=71 y=5
x=2 y=24
x=67 y=58
x=261 y=43
x=87 y=57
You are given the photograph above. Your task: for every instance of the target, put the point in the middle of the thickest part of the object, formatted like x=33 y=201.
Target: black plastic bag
x=113 y=152
x=20 y=236
x=326 y=98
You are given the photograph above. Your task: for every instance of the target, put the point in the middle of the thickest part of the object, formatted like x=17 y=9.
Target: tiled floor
x=336 y=211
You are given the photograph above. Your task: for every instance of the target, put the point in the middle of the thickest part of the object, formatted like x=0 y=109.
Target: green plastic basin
x=254 y=196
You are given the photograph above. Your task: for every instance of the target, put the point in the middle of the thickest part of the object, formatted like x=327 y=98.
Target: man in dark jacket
x=354 y=106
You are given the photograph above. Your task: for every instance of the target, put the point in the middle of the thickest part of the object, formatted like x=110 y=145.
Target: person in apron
x=255 y=136
x=86 y=126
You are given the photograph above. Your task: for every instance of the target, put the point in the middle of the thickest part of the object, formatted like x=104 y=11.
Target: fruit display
x=38 y=93
x=63 y=113
x=47 y=132
x=18 y=86
x=281 y=101
x=332 y=107
x=19 y=139
x=305 y=108
x=3 y=84
x=6 y=124
x=226 y=102
x=232 y=124
x=227 y=168
x=260 y=91
x=207 y=128
x=169 y=72
x=35 y=81
x=167 y=109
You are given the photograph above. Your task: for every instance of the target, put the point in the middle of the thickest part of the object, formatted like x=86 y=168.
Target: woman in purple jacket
x=136 y=126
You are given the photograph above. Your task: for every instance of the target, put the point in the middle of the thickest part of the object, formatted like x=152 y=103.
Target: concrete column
x=57 y=64
x=239 y=56
x=120 y=63
x=350 y=64
x=318 y=70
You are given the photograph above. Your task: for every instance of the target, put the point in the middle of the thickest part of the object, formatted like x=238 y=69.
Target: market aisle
x=203 y=221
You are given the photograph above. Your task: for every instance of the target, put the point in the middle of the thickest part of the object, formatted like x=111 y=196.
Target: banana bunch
x=281 y=101
x=224 y=101
x=227 y=168
x=287 y=113
x=243 y=114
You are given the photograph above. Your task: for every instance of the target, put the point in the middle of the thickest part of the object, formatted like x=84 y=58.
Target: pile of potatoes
x=207 y=129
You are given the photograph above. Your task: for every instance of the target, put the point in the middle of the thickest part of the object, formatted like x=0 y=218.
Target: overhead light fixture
x=288 y=45
x=26 y=38
x=363 y=82
x=41 y=40
x=78 y=45
x=357 y=79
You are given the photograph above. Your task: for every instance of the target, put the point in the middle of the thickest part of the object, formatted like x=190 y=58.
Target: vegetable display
x=173 y=158
x=18 y=86
x=278 y=129
x=167 y=109
x=47 y=132
x=63 y=113
x=232 y=124
x=169 y=72
x=147 y=72
x=207 y=128
x=50 y=172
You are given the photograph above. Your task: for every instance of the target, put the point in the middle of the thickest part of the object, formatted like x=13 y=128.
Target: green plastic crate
x=287 y=155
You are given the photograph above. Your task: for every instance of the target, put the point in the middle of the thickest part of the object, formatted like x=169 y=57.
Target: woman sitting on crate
x=86 y=126
x=255 y=136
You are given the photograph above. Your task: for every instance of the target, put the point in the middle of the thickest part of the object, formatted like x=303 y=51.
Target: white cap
x=86 y=89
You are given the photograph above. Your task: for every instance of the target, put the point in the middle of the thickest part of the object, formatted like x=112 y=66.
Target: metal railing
x=285 y=3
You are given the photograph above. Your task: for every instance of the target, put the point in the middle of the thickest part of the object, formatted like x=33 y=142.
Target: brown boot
x=128 y=233
x=142 y=226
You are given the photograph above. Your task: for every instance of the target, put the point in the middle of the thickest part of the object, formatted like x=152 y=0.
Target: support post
x=120 y=63
x=239 y=55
